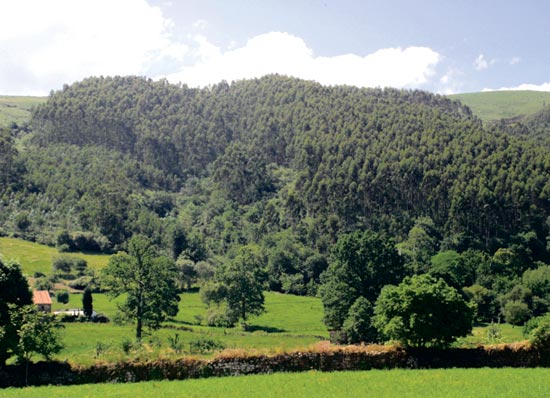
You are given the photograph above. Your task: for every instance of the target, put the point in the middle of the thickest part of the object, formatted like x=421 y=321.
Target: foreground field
x=445 y=383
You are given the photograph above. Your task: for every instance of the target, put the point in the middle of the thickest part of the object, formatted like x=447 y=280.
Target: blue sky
x=441 y=46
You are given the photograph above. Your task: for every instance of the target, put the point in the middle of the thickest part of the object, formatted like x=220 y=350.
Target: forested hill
x=270 y=160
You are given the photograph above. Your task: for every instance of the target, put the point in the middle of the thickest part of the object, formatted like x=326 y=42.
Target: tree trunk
x=139 y=316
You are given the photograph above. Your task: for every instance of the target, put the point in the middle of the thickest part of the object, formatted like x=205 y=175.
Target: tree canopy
x=422 y=311
x=147 y=279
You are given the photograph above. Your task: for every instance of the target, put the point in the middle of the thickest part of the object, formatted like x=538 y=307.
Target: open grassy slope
x=17 y=109
x=494 y=105
x=35 y=257
x=440 y=383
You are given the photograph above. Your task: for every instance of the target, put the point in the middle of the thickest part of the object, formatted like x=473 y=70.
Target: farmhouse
x=42 y=300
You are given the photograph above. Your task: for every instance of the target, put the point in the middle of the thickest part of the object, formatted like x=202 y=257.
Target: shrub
x=534 y=323
x=494 y=332
x=540 y=337
x=126 y=344
x=220 y=318
x=42 y=284
x=63 y=264
x=204 y=345
x=100 y=318
x=175 y=343
x=62 y=296
x=357 y=326
x=516 y=312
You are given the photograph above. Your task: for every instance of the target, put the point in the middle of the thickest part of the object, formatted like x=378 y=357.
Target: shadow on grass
x=267 y=329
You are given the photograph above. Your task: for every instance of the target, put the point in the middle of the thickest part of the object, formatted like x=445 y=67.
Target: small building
x=42 y=300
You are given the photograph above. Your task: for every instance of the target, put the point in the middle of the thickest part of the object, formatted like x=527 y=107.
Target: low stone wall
x=327 y=359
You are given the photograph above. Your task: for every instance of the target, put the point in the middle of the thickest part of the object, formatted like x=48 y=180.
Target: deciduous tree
x=422 y=311
x=147 y=279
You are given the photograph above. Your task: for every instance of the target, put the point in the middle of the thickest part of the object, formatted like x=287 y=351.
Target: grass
x=284 y=326
x=440 y=383
x=35 y=257
x=495 y=105
x=17 y=109
x=479 y=336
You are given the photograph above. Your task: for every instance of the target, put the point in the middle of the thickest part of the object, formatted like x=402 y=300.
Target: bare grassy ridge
x=17 y=109
x=440 y=383
x=495 y=105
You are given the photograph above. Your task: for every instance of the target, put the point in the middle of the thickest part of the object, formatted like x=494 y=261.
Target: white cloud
x=286 y=54
x=451 y=82
x=481 y=63
x=524 y=87
x=515 y=60
x=44 y=44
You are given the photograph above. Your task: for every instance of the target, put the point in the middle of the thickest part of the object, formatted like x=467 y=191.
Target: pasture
x=17 y=109
x=440 y=383
x=495 y=105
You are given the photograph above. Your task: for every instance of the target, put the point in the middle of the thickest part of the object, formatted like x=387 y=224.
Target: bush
x=204 y=345
x=126 y=344
x=534 y=323
x=69 y=318
x=64 y=264
x=220 y=318
x=62 y=296
x=540 y=337
x=516 y=312
x=357 y=326
x=175 y=343
x=100 y=318
x=43 y=284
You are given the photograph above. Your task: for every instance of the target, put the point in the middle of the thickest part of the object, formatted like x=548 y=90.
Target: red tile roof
x=41 y=297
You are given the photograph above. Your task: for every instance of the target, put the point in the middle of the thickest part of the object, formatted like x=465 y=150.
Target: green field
x=441 y=383
x=17 y=109
x=286 y=325
x=494 y=105
x=35 y=257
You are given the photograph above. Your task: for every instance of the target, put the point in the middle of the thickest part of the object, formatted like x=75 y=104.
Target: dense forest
x=288 y=165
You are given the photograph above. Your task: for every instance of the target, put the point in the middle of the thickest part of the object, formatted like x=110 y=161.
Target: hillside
x=282 y=163
x=17 y=109
x=494 y=105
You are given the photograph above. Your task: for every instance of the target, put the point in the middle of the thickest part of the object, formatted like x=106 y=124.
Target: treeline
x=287 y=164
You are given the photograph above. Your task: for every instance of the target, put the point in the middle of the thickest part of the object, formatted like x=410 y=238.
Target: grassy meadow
x=440 y=383
x=17 y=109
x=35 y=257
x=494 y=105
x=285 y=326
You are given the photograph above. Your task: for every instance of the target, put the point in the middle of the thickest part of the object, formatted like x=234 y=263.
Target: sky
x=442 y=46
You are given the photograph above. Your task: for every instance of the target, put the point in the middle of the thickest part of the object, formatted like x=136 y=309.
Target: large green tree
x=243 y=281
x=422 y=311
x=14 y=290
x=37 y=333
x=147 y=279
x=362 y=263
